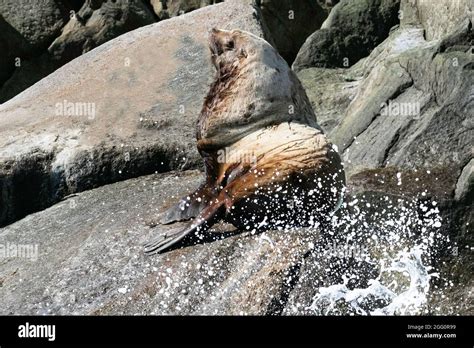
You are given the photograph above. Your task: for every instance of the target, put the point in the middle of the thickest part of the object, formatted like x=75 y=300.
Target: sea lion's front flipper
x=167 y=239
x=207 y=218
x=184 y=210
x=188 y=207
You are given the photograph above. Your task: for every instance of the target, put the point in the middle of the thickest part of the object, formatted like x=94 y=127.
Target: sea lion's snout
x=220 y=41
x=227 y=48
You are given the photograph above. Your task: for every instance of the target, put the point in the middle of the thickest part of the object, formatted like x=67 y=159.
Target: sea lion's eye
x=229 y=45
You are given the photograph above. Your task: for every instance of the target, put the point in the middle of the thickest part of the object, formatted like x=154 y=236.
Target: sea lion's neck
x=221 y=88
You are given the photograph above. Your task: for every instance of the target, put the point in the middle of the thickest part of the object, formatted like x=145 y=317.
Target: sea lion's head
x=254 y=88
x=228 y=49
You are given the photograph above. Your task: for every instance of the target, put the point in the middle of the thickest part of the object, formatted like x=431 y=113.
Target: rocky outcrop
x=127 y=108
x=352 y=30
x=437 y=18
x=96 y=23
x=59 y=31
x=26 y=28
x=403 y=119
x=421 y=105
x=42 y=24
x=393 y=107
x=65 y=33
x=85 y=262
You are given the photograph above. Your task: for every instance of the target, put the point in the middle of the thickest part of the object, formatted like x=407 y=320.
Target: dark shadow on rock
x=353 y=29
x=29 y=185
x=12 y=45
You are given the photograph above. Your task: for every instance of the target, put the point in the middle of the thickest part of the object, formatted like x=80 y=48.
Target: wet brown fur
x=305 y=155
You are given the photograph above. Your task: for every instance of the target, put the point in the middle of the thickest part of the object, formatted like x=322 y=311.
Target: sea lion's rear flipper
x=207 y=218
x=188 y=207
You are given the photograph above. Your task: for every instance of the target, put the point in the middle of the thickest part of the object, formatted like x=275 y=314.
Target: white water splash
x=401 y=237
x=408 y=302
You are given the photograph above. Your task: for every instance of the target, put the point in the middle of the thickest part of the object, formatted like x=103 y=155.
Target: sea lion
x=267 y=161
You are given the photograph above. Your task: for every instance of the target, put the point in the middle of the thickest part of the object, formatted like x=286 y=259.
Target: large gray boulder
x=84 y=256
x=438 y=18
x=124 y=109
x=408 y=206
x=90 y=259
x=97 y=22
x=419 y=99
x=37 y=22
x=352 y=30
